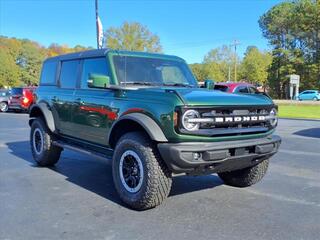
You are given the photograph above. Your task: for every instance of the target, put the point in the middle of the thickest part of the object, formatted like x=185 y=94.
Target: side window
x=93 y=65
x=242 y=89
x=253 y=90
x=172 y=74
x=69 y=73
x=48 y=73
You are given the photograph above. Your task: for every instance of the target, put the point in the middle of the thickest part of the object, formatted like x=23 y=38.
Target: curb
x=303 y=119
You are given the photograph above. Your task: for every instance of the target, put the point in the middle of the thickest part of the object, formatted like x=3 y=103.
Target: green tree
x=219 y=63
x=293 y=29
x=132 y=36
x=199 y=71
x=255 y=66
x=9 y=70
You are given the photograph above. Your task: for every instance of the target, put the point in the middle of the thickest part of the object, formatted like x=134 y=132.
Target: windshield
x=152 y=71
x=16 y=91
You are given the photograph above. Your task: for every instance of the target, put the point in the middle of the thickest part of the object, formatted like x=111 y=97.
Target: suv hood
x=206 y=97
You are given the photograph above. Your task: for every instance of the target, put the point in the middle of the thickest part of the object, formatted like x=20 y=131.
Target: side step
x=81 y=150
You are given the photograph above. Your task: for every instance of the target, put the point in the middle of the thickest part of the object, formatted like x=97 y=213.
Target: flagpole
x=97 y=26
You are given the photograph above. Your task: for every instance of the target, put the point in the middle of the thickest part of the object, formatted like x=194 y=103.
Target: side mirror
x=98 y=81
x=209 y=84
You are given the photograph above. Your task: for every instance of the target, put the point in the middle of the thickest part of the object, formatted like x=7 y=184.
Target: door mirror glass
x=98 y=81
x=209 y=84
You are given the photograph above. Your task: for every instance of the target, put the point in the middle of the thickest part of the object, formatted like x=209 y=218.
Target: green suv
x=146 y=113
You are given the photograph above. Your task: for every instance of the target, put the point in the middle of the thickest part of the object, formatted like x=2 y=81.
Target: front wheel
x=140 y=176
x=315 y=99
x=3 y=107
x=247 y=176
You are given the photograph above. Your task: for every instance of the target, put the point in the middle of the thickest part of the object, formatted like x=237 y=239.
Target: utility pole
x=97 y=24
x=235 y=44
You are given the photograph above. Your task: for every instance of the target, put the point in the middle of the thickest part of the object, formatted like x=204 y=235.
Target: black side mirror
x=209 y=84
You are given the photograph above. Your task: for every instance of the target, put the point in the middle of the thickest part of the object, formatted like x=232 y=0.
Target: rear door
x=63 y=99
x=92 y=114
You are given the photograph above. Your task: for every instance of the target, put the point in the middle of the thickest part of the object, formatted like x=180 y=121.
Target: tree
x=219 y=63
x=293 y=29
x=9 y=71
x=255 y=66
x=133 y=37
x=199 y=71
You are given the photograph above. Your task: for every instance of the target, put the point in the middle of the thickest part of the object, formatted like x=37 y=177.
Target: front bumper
x=204 y=158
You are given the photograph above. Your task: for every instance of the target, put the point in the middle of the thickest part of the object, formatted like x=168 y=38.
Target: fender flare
x=149 y=125
x=46 y=112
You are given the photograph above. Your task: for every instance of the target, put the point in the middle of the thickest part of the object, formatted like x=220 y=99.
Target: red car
x=238 y=87
x=21 y=98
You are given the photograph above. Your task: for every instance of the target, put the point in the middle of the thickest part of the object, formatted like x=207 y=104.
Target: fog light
x=196 y=156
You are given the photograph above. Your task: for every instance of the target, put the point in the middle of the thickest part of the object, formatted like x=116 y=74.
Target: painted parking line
x=299 y=152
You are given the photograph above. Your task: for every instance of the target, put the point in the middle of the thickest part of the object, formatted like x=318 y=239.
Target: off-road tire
x=50 y=154
x=156 y=183
x=247 y=176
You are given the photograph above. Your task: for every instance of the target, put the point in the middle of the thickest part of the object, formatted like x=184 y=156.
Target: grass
x=299 y=111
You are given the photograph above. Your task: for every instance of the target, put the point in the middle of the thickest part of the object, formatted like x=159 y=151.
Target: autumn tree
x=132 y=36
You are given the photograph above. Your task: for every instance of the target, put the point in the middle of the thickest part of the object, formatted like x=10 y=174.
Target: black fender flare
x=46 y=112
x=149 y=125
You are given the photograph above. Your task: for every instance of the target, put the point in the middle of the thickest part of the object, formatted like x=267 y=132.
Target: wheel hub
x=37 y=141
x=131 y=171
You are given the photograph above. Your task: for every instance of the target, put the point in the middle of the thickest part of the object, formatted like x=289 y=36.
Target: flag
x=100 y=33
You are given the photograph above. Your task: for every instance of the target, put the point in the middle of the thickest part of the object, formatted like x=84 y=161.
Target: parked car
x=21 y=99
x=4 y=99
x=239 y=87
x=146 y=114
x=309 y=95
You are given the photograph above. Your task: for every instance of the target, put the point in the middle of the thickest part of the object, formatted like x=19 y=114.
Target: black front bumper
x=204 y=157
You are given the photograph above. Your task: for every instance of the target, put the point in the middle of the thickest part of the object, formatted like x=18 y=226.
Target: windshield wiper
x=178 y=85
x=140 y=83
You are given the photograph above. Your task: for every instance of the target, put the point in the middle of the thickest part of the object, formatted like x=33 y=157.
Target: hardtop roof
x=105 y=51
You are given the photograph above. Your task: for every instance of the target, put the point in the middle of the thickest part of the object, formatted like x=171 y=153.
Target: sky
x=189 y=28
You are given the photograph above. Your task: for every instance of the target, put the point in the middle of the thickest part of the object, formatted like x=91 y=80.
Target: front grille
x=230 y=121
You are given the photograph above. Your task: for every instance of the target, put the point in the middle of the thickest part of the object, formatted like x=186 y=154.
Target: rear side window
x=68 y=74
x=48 y=74
x=242 y=89
x=93 y=66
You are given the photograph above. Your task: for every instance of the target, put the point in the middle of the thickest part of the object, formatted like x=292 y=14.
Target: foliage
x=255 y=65
x=21 y=60
x=132 y=36
x=293 y=29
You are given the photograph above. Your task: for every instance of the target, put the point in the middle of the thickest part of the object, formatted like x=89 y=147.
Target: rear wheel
x=4 y=107
x=43 y=151
x=247 y=176
x=141 y=178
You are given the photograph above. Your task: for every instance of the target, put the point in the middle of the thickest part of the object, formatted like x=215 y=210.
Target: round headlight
x=273 y=117
x=188 y=125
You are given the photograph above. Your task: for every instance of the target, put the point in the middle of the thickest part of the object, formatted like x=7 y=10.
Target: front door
x=92 y=114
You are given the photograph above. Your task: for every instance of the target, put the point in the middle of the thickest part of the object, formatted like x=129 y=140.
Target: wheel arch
x=42 y=110
x=135 y=122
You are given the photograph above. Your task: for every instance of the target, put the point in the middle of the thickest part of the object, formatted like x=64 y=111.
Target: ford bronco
x=146 y=114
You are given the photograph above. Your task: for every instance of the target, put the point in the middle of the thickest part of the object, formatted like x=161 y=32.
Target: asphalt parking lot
x=77 y=200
